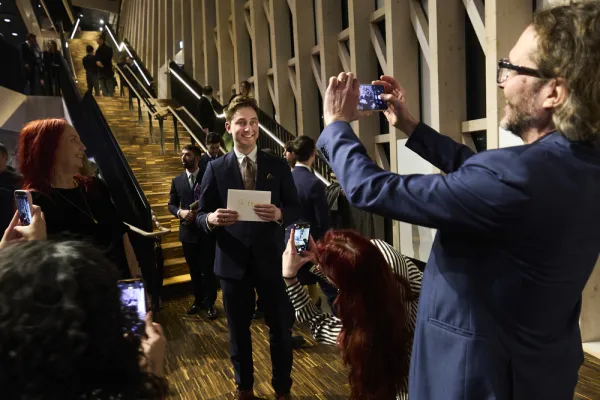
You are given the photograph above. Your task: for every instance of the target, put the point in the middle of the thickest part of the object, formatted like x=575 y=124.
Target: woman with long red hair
x=377 y=302
x=50 y=155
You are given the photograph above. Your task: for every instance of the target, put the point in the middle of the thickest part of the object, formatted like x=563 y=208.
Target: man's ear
x=228 y=127
x=556 y=93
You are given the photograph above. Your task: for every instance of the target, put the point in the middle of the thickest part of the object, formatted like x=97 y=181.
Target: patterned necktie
x=191 y=182
x=248 y=173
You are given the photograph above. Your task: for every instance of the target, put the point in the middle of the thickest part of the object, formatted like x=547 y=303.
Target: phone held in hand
x=133 y=294
x=24 y=202
x=301 y=236
x=369 y=98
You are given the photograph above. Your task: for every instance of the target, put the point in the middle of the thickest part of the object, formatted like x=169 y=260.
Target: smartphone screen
x=133 y=294
x=369 y=98
x=301 y=236
x=22 y=200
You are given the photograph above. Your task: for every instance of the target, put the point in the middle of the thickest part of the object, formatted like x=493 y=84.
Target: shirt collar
x=299 y=164
x=195 y=173
x=251 y=156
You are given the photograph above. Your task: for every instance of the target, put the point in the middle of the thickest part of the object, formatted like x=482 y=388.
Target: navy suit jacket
x=262 y=241
x=313 y=201
x=181 y=197
x=518 y=237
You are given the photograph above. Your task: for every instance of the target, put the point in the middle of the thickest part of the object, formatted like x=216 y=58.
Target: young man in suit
x=248 y=255
x=517 y=227
x=198 y=246
x=313 y=206
x=91 y=70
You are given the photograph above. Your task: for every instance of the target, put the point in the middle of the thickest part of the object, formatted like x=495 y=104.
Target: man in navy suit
x=518 y=228
x=313 y=205
x=248 y=254
x=198 y=247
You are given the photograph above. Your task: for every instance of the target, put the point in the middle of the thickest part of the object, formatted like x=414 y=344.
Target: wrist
x=409 y=126
x=334 y=118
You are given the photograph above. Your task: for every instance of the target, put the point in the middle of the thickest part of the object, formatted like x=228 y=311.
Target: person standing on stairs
x=106 y=78
x=91 y=70
x=198 y=246
x=248 y=254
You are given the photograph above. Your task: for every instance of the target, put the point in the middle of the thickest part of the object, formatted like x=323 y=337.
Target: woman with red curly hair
x=50 y=156
x=378 y=290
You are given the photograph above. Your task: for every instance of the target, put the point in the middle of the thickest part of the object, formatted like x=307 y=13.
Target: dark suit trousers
x=239 y=300
x=200 y=258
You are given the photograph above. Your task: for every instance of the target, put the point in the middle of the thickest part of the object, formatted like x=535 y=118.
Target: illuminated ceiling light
x=80 y=15
x=181 y=44
x=101 y=29
x=6 y=20
x=101 y=22
x=14 y=34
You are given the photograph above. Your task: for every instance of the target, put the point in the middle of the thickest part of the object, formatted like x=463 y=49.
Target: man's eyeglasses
x=505 y=69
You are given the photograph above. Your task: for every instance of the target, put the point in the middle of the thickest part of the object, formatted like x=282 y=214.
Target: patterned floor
x=198 y=364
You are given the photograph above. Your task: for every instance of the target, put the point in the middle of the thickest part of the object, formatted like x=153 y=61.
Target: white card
x=242 y=201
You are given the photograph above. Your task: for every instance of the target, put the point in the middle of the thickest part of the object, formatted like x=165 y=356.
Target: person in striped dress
x=378 y=291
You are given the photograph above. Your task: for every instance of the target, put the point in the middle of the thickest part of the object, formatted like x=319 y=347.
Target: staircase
x=154 y=171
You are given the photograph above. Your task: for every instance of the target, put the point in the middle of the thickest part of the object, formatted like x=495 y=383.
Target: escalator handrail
x=187 y=128
x=148 y=94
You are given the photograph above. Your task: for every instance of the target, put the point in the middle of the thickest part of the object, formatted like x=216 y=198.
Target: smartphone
x=301 y=236
x=133 y=294
x=24 y=202
x=369 y=98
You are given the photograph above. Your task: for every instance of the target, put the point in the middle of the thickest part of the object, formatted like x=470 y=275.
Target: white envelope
x=242 y=201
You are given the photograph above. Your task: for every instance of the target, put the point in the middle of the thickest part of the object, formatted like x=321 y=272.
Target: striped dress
x=325 y=328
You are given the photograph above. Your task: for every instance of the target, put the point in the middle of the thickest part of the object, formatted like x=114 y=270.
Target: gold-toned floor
x=198 y=365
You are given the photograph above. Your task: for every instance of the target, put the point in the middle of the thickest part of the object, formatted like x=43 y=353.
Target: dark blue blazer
x=313 y=201
x=518 y=237
x=181 y=196
x=262 y=241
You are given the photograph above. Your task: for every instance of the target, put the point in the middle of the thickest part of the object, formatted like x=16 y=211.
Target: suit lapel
x=186 y=183
x=261 y=170
x=232 y=172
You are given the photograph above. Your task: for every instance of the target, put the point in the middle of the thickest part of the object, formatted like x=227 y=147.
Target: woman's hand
x=292 y=261
x=16 y=232
x=154 y=347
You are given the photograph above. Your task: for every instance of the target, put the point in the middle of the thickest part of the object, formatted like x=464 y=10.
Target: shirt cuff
x=207 y=224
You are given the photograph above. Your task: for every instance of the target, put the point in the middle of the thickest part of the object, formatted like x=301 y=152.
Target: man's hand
x=397 y=113
x=187 y=215
x=268 y=212
x=222 y=217
x=99 y=64
x=341 y=99
x=35 y=231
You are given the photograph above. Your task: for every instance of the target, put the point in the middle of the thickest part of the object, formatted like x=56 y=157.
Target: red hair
x=375 y=340
x=38 y=143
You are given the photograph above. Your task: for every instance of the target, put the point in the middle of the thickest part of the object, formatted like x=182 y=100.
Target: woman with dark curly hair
x=378 y=290
x=63 y=329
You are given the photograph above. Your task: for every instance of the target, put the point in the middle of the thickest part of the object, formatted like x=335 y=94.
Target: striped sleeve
x=401 y=265
x=325 y=328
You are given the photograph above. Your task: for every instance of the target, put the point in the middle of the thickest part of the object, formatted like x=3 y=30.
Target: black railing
x=129 y=199
x=274 y=137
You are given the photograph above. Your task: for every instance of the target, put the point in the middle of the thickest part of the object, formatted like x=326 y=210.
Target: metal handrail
x=153 y=113
x=199 y=124
x=140 y=83
x=187 y=128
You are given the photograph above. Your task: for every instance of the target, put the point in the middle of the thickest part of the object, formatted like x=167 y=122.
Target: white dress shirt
x=299 y=164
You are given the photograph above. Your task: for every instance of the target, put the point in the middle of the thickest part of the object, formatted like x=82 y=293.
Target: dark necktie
x=248 y=173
